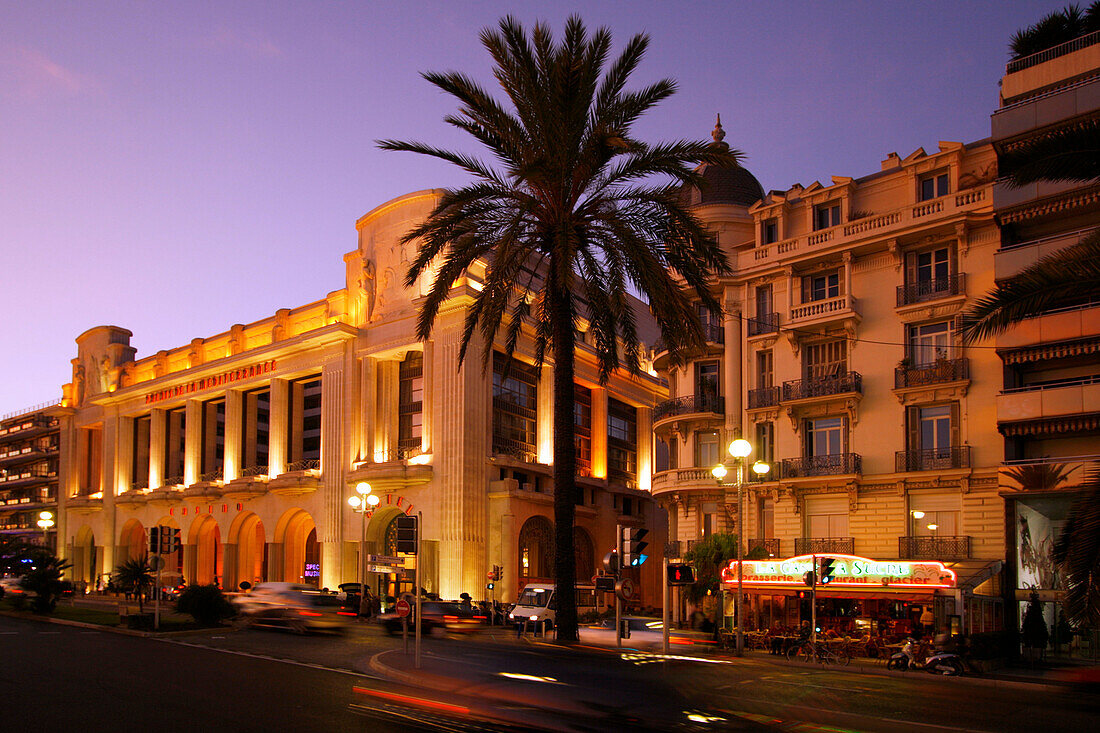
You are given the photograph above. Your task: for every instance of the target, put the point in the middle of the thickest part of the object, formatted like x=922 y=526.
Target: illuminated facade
x=1049 y=409
x=836 y=356
x=29 y=447
x=252 y=440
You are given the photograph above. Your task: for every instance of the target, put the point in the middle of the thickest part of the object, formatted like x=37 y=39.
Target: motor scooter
x=915 y=656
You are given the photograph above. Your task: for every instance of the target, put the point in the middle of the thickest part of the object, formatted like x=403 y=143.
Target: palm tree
x=135 y=576
x=567 y=221
x=1039 y=476
x=1077 y=552
x=44 y=579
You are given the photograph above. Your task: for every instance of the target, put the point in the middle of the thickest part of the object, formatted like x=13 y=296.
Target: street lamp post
x=739 y=450
x=362 y=502
x=45 y=521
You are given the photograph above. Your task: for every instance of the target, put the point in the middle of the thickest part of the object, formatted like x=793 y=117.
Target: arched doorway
x=84 y=557
x=536 y=550
x=297 y=533
x=206 y=537
x=248 y=537
x=585 y=555
x=132 y=541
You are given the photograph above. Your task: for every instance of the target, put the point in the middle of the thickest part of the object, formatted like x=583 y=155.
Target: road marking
x=902 y=724
x=9 y=632
x=339 y=670
x=823 y=687
x=49 y=632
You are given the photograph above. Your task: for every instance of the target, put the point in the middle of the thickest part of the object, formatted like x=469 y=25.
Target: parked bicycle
x=808 y=651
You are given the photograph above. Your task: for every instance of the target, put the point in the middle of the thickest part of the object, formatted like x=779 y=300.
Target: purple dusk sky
x=178 y=167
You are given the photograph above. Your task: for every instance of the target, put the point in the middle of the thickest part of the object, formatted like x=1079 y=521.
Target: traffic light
x=406 y=534
x=498 y=572
x=632 y=546
x=680 y=574
x=154 y=540
x=827 y=569
x=810 y=578
x=177 y=543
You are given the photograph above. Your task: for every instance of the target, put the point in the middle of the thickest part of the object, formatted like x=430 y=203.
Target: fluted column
x=368 y=393
x=599 y=432
x=277 y=427
x=544 y=415
x=332 y=471
x=234 y=423
x=192 y=460
x=158 y=424
x=645 y=447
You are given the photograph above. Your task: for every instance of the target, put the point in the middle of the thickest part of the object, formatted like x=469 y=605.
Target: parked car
x=300 y=608
x=446 y=615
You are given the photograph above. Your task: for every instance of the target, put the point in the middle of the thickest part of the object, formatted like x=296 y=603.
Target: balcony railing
x=763 y=323
x=770 y=545
x=1053 y=52
x=251 y=471
x=938 y=372
x=215 y=475
x=763 y=397
x=801 y=389
x=929 y=547
x=515 y=448
x=824 y=545
x=821 y=308
x=933 y=459
x=690 y=404
x=310 y=464
x=922 y=290
x=834 y=465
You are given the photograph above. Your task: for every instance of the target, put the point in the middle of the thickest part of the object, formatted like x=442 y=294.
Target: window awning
x=972 y=573
x=1057 y=350
x=1051 y=425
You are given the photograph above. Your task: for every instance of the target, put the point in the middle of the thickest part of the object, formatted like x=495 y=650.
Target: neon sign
x=849 y=570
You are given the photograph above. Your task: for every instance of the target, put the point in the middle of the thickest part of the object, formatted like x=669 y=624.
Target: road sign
x=386 y=560
x=625 y=589
x=605 y=583
x=402 y=608
x=385 y=569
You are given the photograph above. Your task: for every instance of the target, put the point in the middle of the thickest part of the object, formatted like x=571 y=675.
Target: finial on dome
x=719 y=134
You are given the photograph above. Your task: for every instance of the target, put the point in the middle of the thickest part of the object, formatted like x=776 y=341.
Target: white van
x=538 y=607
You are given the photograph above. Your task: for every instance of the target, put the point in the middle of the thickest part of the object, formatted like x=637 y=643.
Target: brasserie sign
x=848 y=570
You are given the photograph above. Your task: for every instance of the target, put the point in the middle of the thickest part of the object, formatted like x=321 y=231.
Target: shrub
x=205 y=603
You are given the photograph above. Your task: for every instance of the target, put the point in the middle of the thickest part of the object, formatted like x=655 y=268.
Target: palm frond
x=1077 y=552
x=1069 y=154
x=1063 y=279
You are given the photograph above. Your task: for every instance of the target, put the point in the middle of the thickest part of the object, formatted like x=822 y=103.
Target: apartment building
x=251 y=441
x=836 y=357
x=29 y=448
x=1048 y=411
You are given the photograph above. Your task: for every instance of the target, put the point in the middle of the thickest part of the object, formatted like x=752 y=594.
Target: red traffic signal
x=680 y=574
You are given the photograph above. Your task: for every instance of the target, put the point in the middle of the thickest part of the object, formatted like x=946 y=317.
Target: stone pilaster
x=158 y=425
x=234 y=424
x=599 y=432
x=277 y=427
x=332 y=471
x=645 y=447
x=368 y=393
x=192 y=461
x=544 y=415
x=732 y=362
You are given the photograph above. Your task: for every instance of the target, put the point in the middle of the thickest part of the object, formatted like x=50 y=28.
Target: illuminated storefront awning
x=851 y=574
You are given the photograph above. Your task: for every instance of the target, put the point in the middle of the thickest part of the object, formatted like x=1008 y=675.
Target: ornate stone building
x=251 y=441
x=836 y=356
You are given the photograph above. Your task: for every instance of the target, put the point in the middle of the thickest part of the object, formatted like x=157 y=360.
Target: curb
x=110 y=629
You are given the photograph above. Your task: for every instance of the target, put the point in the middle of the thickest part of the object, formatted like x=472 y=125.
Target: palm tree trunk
x=565 y=462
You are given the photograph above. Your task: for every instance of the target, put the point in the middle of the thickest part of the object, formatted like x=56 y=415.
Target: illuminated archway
x=297 y=534
x=206 y=537
x=248 y=536
x=536 y=550
x=84 y=556
x=132 y=541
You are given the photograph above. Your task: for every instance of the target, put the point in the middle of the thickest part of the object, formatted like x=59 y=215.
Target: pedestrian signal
x=827 y=569
x=680 y=574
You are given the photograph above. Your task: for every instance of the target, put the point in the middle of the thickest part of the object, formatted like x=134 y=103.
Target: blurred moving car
x=297 y=607
x=13 y=586
x=446 y=615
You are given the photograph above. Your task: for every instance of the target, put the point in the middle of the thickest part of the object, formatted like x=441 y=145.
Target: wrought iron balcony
x=713 y=333
x=515 y=448
x=824 y=545
x=763 y=397
x=938 y=372
x=770 y=545
x=801 y=389
x=763 y=323
x=934 y=547
x=310 y=464
x=690 y=404
x=933 y=459
x=834 y=465
x=922 y=290
x=251 y=471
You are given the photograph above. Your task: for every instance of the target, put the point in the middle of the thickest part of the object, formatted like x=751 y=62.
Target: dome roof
x=725 y=185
